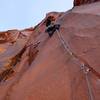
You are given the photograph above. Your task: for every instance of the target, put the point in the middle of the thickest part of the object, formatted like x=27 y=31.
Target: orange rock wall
x=41 y=69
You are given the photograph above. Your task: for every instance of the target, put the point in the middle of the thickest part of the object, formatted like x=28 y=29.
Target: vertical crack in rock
x=6 y=74
x=33 y=51
x=10 y=67
x=17 y=79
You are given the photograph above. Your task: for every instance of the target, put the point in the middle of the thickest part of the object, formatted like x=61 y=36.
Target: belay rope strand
x=82 y=65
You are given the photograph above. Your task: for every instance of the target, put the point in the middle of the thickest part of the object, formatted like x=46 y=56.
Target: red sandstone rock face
x=36 y=67
x=81 y=2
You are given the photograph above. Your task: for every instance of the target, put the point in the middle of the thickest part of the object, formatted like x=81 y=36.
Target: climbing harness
x=84 y=67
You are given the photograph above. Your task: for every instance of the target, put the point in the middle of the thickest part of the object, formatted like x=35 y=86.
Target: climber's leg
x=50 y=33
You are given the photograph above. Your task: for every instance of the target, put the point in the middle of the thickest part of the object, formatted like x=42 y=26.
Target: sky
x=22 y=14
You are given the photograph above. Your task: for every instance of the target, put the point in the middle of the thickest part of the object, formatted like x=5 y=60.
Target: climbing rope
x=84 y=68
x=86 y=72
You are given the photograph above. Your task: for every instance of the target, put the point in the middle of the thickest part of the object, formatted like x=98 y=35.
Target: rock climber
x=51 y=26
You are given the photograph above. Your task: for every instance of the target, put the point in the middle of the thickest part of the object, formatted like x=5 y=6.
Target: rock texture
x=81 y=2
x=36 y=67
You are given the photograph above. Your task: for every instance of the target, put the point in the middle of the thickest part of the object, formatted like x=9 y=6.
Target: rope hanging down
x=83 y=66
x=82 y=61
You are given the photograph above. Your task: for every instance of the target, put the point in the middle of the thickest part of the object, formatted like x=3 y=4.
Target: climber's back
x=51 y=27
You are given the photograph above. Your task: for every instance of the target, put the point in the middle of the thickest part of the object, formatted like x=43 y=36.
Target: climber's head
x=51 y=18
